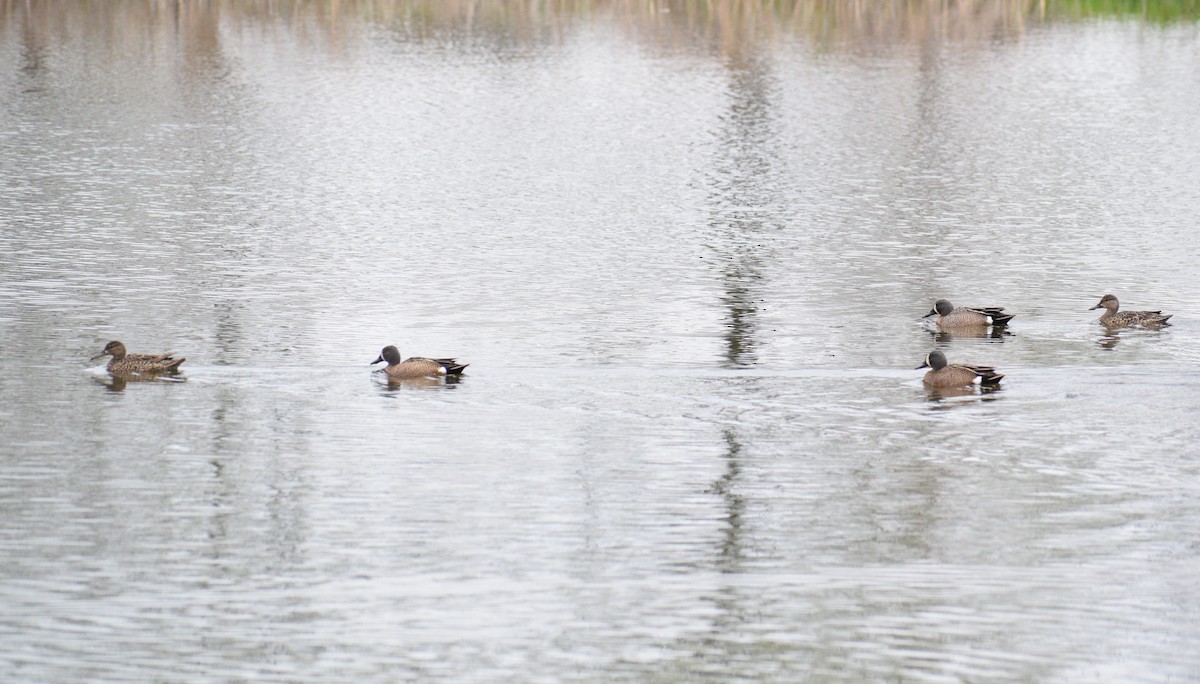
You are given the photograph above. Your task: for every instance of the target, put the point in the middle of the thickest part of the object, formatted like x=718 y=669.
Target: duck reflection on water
x=118 y=382
x=988 y=335
x=944 y=396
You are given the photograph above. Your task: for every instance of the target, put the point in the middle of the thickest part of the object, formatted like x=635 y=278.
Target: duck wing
x=166 y=361
x=987 y=374
x=996 y=313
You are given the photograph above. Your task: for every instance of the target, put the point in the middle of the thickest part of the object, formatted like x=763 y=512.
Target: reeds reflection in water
x=721 y=26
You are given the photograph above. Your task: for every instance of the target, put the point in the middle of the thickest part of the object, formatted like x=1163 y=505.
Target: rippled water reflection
x=686 y=253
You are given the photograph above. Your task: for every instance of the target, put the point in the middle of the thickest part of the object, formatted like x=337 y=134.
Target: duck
x=123 y=362
x=946 y=374
x=417 y=366
x=950 y=316
x=1119 y=319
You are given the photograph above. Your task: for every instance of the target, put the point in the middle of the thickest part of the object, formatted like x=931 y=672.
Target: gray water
x=686 y=257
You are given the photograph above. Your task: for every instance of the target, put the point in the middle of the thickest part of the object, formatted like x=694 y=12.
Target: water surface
x=686 y=254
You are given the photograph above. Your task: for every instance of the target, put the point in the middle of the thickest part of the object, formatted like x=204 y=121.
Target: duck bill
x=924 y=365
x=1095 y=307
x=98 y=356
x=378 y=360
x=931 y=313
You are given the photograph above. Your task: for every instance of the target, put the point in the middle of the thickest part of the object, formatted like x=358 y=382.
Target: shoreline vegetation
x=722 y=26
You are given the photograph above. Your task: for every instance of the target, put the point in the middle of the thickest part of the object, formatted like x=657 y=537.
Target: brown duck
x=1119 y=319
x=123 y=362
x=417 y=366
x=945 y=374
x=950 y=316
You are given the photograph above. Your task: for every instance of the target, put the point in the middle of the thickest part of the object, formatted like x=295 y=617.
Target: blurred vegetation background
x=720 y=25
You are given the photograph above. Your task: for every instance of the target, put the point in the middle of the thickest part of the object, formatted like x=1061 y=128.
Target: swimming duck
x=1119 y=319
x=945 y=374
x=950 y=316
x=124 y=362
x=417 y=366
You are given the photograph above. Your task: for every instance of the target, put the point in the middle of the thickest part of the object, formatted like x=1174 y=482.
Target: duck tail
x=452 y=366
